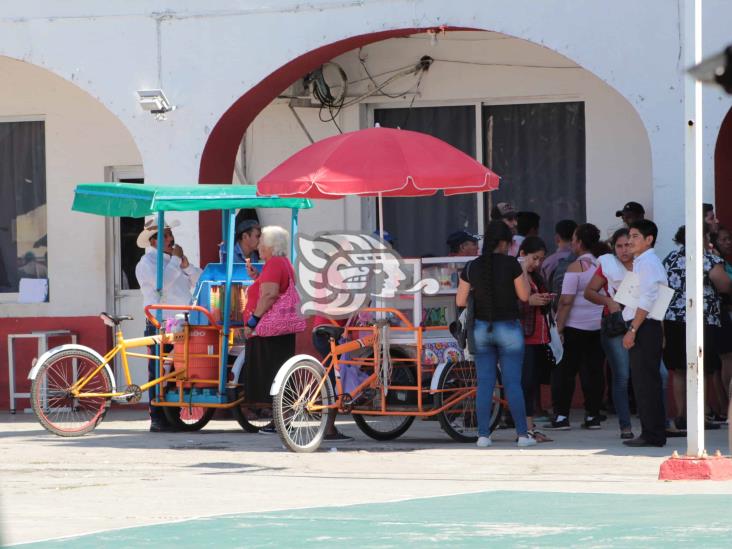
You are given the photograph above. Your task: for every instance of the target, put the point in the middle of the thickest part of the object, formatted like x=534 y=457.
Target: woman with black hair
x=498 y=282
x=578 y=324
x=601 y=290
x=534 y=321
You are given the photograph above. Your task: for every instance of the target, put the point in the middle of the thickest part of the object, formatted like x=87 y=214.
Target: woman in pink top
x=578 y=323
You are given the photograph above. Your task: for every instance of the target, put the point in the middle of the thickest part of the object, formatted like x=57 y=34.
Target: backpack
x=555 y=284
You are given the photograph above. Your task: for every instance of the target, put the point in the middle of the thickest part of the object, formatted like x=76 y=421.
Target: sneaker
x=592 y=423
x=337 y=437
x=528 y=440
x=558 y=425
x=484 y=442
x=268 y=429
x=602 y=417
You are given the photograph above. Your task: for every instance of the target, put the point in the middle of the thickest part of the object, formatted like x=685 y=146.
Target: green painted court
x=505 y=519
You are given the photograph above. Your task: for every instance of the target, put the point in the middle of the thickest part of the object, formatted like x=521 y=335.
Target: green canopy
x=136 y=200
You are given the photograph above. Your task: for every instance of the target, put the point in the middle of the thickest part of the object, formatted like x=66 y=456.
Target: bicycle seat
x=333 y=332
x=112 y=320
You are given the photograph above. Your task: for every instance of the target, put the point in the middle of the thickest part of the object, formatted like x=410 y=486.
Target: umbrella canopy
x=378 y=161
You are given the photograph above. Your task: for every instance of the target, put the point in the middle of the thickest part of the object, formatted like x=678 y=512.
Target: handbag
x=462 y=328
x=284 y=316
x=555 y=344
x=613 y=325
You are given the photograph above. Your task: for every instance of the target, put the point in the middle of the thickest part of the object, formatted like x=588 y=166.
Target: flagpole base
x=678 y=467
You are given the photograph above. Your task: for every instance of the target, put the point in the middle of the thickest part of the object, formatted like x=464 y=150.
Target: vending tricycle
x=73 y=385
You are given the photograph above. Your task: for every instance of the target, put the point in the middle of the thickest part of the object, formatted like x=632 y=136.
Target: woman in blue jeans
x=608 y=276
x=497 y=282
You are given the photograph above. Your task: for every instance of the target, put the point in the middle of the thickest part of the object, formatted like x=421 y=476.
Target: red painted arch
x=219 y=154
x=723 y=172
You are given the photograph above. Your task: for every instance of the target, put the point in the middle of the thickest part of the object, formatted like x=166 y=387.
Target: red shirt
x=277 y=269
x=541 y=330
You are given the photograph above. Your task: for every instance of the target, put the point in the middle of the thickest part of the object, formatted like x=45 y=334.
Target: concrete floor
x=121 y=475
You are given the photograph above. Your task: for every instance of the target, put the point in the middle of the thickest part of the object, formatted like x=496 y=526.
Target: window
x=429 y=220
x=538 y=149
x=23 y=245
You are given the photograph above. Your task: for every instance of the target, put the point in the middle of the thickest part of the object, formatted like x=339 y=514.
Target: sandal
x=539 y=436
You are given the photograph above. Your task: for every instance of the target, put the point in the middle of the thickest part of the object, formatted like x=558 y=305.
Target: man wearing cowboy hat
x=179 y=280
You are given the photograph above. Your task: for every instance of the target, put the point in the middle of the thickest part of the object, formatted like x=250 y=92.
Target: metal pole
x=381 y=217
x=229 y=240
x=159 y=288
x=293 y=234
x=691 y=45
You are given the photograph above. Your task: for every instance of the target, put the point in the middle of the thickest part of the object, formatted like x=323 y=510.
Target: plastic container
x=203 y=354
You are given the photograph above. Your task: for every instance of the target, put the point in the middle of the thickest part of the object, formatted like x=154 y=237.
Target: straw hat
x=151 y=229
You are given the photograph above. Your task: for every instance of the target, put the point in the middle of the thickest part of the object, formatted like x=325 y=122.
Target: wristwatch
x=631 y=329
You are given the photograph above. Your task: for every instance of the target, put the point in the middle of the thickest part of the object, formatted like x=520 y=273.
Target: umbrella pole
x=381 y=217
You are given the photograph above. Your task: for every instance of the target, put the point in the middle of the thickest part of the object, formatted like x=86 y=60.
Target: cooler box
x=203 y=353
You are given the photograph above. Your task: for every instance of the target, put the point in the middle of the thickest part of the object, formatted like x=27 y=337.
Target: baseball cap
x=245 y=225
x=631 y=207
x=503 y=210
x=458 y=237
x=387 y=236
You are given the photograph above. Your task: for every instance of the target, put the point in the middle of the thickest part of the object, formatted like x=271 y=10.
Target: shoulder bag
x=284 y=316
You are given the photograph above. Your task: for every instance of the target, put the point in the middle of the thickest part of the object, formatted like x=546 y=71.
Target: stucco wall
x=474 y=68
x=82 y=138
x=205 y=56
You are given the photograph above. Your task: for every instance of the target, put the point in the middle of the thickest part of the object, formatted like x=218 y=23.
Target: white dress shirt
x=178 y=283
x=613 y=271
x=650 y=273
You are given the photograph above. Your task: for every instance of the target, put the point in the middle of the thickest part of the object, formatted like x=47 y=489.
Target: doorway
x=123 y=291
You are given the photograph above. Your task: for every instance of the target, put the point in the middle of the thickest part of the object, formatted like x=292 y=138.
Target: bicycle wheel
x=55 y=407
x=380 y=427
x=188 y=418
x=460 y=421
x=300 y=429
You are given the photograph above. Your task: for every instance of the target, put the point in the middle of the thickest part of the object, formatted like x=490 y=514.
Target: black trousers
x=645 y=360
x=582 y=354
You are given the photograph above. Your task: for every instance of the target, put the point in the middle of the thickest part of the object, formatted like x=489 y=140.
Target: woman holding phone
x=533 y=316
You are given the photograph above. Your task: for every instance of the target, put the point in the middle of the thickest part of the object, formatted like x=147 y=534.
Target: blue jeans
x=619 y=360
x=504 y=344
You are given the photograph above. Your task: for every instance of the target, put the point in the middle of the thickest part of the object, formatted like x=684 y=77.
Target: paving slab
x=123 y=476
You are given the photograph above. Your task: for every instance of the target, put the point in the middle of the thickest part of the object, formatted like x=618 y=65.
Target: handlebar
x=396 y=312
x=191 y=308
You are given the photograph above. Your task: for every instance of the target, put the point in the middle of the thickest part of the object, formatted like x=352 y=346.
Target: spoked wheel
x=460 y=421
x=300 y=429
x=188 y=418
x=390 y=427
x=51 y=399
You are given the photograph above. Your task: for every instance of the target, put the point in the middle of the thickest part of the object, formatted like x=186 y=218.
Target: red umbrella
x=378 y=162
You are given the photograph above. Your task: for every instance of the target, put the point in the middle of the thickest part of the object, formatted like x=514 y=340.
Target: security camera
x=154 y=101
x=716 y=69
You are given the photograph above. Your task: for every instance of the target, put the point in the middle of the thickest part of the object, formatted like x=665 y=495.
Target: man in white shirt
x=644 y=338
x=179 y=280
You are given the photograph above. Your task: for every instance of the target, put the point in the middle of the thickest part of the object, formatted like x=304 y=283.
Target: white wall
x=492 y=69
x=207 y=55
x=82 y=138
